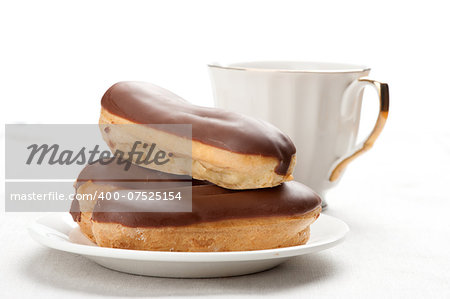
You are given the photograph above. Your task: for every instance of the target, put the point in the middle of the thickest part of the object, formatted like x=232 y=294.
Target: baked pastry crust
x=86 y=206
x=204 y=162
x=226 y=235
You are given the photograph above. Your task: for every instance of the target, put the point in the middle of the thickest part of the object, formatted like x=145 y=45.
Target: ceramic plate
x=58 y=231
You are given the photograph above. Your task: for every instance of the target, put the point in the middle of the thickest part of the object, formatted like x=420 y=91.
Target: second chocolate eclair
x=228 y=149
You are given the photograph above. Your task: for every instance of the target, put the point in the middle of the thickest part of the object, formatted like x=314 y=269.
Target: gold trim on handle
x=383 y=94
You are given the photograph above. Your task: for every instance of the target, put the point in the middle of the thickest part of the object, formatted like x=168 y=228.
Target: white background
x=58 y=57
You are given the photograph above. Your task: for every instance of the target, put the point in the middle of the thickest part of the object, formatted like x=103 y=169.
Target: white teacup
x=317 y=104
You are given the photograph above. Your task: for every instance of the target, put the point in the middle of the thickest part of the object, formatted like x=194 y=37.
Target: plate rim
x=60 y=241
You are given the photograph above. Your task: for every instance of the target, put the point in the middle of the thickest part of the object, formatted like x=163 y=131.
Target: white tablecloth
x=395 y=200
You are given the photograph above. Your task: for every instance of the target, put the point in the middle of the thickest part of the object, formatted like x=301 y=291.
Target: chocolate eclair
x=228 y=149
x=221 y=219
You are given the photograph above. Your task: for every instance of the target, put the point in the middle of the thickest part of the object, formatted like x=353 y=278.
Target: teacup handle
x=383 y=94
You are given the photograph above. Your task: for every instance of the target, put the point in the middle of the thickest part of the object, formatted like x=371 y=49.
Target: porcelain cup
x=317 y=104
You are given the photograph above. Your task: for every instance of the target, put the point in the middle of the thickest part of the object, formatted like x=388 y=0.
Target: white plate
x=58 y=231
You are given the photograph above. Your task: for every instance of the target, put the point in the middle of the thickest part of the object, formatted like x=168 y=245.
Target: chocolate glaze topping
x=209 y=202
x=146 y=103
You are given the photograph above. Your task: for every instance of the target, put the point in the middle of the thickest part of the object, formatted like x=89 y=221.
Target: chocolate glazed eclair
x=228 y=149
x=221 y=219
